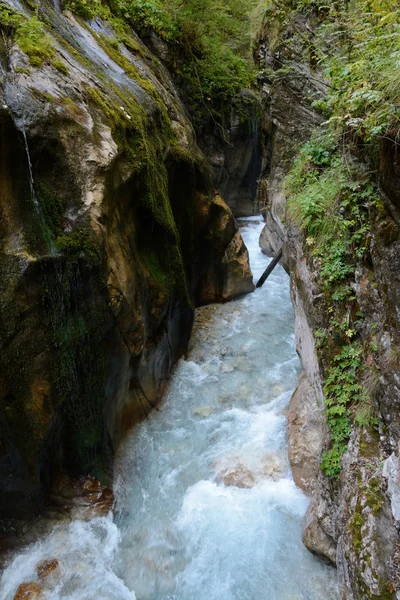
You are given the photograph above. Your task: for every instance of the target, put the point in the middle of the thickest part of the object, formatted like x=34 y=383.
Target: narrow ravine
x=206 y=505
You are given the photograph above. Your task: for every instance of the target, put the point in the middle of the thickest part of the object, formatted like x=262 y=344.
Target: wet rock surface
x=47 y=568
x=289 y=120
x=82 y=499
x=111 y=233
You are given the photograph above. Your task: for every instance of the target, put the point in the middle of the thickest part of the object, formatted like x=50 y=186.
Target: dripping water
x=45 y=229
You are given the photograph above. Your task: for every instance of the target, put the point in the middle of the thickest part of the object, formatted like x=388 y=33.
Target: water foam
x=85 y=551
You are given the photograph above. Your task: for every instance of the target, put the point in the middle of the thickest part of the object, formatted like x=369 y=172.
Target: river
x=207 y=508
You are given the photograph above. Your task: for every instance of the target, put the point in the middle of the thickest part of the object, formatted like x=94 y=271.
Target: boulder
x=47 y=567
x=306 y=429
x=29 y=591
x=315 y=538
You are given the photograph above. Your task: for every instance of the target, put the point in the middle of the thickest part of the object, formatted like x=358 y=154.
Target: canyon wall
x=111 y=234
x=353 y=519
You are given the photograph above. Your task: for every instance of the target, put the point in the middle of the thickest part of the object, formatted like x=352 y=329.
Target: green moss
x=156 y=270
x=34 y=41
x=355 y=528
x=22 y=70
x=374 y=495
x=385 y=590
x=80 y=244
x=182 y=154
x=111 y=47
x=51 y=207
x=37 y=234
x=369 y=443
x=87 y=9
x=78 y=56
x=44 y=96
x=134 y=46
x=60 y=66
x=70 y=107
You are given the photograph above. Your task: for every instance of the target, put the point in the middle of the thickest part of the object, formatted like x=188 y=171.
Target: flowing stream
x=207 y=507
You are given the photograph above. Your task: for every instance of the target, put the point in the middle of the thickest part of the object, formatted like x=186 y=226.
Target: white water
x=208 y=509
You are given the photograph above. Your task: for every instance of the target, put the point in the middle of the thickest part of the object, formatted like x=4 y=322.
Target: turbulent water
x=207 y=507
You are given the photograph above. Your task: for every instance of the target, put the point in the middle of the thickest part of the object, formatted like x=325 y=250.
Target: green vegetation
x=60 y=66
x=329 y=198
x=357 y=46
x=9 y=18
x=208 y=40
x=331 y=191
x=80 y=244
x=51 y=207
x=31 y=35
x=33 y=40
x=87 y=9
x=342 y=391
x=363 y=68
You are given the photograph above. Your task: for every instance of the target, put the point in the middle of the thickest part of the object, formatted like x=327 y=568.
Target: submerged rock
x=236 y=473
x=29 y=591
x=237 y=476
x=47 y=568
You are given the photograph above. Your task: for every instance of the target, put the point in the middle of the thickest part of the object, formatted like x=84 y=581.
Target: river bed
x=207 y=508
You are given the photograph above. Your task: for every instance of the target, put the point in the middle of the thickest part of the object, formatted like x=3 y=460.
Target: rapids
x=206 y=505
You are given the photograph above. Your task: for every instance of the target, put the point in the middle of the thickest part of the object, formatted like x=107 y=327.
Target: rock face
x=353 y=521
x=110 y=234
x=239 y=158
x=238 y=151
x=290 y=119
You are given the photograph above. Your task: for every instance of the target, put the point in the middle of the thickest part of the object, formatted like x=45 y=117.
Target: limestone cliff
x=111 y=233
x=353 y=520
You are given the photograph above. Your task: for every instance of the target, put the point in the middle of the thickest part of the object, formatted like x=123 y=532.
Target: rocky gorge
x=118 y=210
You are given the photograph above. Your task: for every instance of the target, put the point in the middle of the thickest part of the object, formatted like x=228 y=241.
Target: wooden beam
x=269 y=269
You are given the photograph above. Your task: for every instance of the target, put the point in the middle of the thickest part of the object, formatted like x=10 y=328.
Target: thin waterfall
x=20 y=126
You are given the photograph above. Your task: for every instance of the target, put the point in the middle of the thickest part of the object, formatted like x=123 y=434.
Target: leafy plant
x=342 y=391
x=329 y=200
